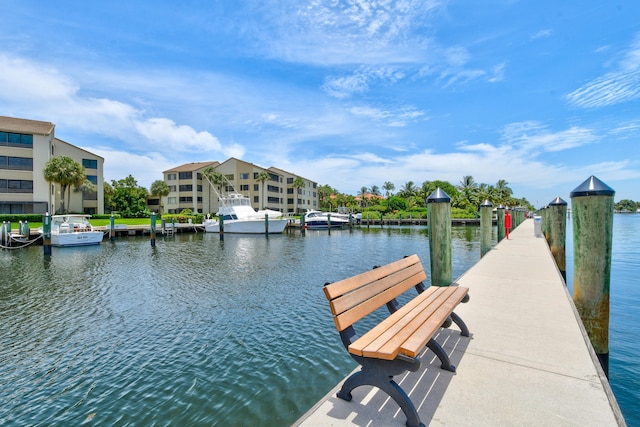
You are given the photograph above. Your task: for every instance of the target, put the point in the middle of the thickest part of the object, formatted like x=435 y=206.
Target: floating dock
x=528 y=361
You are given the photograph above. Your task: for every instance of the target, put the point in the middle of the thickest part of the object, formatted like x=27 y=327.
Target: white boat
x=73 y=230
x=317 y=220
x=239 y=217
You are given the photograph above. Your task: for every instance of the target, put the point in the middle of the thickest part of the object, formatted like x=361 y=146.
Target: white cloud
x=621 y=85
x=531 y=136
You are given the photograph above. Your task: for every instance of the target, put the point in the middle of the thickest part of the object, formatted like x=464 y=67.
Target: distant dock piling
x=439 y=219
x=557 y=218
x=500 y=222
x=592 y=207
x=46 y=234
x=486 y=225
x=153 y=229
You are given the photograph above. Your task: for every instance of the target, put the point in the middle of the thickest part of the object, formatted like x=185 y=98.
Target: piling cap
x=486 y=204
x=500 y=206
x=438 y=196
x=558 y=202
x=592 y=187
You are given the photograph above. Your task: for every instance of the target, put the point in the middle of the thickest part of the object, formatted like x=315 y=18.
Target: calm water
x=202 y=332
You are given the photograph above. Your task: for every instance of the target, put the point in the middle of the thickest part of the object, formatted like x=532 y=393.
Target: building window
x=256 y=187
x=273 y=189
x=229 y=177
x=256 y=199
x=93 y=179
x=172 y=188
x=273 y=200
x=186 y=199
x=289 y=180
x=244 y=187
x=171 y=177
x=90 y=163
x=16 y=163
x=188 y=187
x=16 y=186
x=185 y=175
x=171 y=200
x=289 y=201
x=244 y=176
x=11 y=139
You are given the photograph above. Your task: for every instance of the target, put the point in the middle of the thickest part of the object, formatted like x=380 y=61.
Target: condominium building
x=278 y=190
x=25 y=148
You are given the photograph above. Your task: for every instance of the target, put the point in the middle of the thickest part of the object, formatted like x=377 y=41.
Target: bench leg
x=386 y=384
x=442 y=355
x=464 y=331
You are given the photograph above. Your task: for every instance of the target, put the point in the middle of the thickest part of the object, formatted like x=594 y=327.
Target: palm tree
x=262 y=177
x=388 y=187
x=298 y=183
x=65 y=171
x=161 y=189
x=409 y=189
x=503 y=190
x=363 y=196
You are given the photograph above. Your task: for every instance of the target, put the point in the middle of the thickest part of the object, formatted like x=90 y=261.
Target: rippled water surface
x=201 y=332
x=192 y=332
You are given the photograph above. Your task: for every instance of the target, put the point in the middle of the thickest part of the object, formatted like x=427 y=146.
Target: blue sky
x=542 y=94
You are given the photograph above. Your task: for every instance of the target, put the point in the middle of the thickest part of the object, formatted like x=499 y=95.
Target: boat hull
x=276 y=226
x=82 y=238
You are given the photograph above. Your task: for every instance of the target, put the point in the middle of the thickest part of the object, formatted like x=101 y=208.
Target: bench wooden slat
x=342 y=287
x=356 y=313
x=385 y=330
x=416 y=342
x=406 y=278
x=409 y=329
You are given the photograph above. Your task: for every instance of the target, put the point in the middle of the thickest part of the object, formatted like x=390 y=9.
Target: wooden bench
x=392 y=347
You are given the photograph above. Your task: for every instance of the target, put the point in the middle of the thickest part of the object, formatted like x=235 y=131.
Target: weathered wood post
x=153 y=229
x=303 y=227
x=220 y=226
x=486 y=226
x=592 y=207
x=266 y=224
x=46 y=234
x=329 y=222
x=558 y=234
x=381 y=220
x=439 y=221
x=112 y=226
x=500 y=215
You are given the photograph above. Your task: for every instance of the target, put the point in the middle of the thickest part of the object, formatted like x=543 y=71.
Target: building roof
x=13 y=124
x=190 y=167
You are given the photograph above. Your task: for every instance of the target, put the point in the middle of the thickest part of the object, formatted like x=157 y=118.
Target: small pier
x=528 y=362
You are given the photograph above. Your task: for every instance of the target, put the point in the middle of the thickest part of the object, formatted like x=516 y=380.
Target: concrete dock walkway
x=527 y=363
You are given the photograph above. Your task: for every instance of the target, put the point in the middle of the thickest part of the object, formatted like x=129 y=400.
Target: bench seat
x=408 y=330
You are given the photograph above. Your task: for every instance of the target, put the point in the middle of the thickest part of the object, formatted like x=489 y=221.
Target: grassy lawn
x=100 y=222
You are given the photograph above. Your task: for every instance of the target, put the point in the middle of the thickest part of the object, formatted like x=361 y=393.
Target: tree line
x=466 y=197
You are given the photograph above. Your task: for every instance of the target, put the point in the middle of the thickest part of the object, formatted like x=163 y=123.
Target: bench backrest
x=353 y=298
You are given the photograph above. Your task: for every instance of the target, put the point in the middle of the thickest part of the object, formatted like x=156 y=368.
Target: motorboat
x=317 y=220
x=239 y=217
x=74 y=230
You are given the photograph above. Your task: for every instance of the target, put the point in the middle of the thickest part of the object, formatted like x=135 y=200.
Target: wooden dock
x=528 y=361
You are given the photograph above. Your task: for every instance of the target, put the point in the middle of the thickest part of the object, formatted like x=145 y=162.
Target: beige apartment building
x=25 y=148
x=282 y=191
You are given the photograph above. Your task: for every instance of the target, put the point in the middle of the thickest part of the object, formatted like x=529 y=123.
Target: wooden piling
x=557 y=215
x=153 y=229
x=46 y=234
x=500 y=222
x=592 y=206
x=439 y=220
x=112 y=228
x=486 y=225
